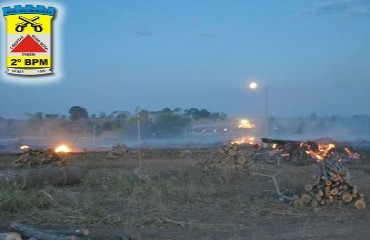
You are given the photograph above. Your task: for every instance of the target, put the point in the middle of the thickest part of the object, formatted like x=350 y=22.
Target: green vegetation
x=153 y=124
x=12 y=198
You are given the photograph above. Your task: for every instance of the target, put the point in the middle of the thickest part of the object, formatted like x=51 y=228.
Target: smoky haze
x=81 y=136
x=312 y=55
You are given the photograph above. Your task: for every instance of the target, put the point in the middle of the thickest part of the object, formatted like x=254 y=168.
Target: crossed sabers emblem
x=25 y=21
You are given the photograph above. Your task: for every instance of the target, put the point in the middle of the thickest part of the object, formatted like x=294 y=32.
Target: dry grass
x=170 y=197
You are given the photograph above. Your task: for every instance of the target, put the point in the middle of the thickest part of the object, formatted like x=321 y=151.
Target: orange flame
x=244 y=140
x=324 y=151
x=353 y=155
x=62 y=148
x=347 y=151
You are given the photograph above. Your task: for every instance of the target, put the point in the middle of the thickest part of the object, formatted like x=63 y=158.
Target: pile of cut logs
x=229 y=155
x=38 y=157
x=119 y=150
x=21 y=231
x=332 y=187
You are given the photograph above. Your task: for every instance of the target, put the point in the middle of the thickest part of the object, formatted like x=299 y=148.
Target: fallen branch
x=276 y=185
x=31 y=232
x=77 y=232
x=323 y=171
x=10 y=236
x=167 y=220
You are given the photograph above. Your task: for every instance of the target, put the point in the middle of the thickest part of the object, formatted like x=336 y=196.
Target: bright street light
x=253 y=85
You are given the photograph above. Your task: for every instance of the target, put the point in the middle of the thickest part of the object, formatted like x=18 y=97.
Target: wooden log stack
x=39 y=157
x=230 y=155
x=331 y=188
x=119 y=150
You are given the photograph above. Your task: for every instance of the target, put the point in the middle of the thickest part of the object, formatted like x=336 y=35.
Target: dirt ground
x=172 y=197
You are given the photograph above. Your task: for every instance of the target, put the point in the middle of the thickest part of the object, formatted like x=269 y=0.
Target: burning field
x=276 y=189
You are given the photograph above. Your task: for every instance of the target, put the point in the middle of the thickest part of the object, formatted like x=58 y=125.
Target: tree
x=169 y=123
x=122 y=115
x=204 y=113
x=102 y=115
x=144 y=115
x=78 y=113
x=193 y=113
x=35 y=117
x=51 y=116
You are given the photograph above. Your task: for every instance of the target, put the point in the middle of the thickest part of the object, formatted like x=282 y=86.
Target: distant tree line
x=153 y=124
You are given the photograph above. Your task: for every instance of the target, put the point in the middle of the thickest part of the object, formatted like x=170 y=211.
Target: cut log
x=278 y=141
x=328 y=182
x=298 y=203
x=330 y=199
x=335 y=177
x=308 y=187
x=314 y=203
x=306 y=198
x=360 y=204
x=347 y=197
x=31 y=232
x=40 y=176
x=10 y=236
x=77 y=232
x=334 y=191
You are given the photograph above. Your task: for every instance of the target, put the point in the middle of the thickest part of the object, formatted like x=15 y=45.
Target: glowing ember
x=347 y=151
x=244 y=140
x=323 y=151
x=245 y=123
x=351 y=154
x=24 y=147
x=62 y=148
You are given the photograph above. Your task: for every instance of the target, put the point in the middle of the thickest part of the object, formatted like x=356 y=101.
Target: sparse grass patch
x=126 y=181
x=97 y=178
x=365 y=158
x=12 y=198
x=41 y=199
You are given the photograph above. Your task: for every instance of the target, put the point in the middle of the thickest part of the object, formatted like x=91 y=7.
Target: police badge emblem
x=29 y=39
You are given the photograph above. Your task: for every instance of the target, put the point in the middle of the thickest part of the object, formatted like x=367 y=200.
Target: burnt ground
x=173 y=198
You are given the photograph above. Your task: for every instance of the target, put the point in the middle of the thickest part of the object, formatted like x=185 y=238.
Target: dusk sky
x=314 y=56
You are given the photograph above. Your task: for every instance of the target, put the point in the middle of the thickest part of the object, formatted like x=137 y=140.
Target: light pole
x=253 y=86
